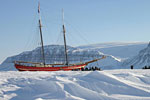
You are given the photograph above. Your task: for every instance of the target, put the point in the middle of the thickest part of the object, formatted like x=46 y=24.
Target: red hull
x=64 y=68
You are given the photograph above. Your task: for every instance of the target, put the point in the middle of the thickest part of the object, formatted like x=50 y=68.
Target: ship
x=43 y=66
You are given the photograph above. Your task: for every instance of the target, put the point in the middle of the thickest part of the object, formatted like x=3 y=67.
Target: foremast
x=65 y=44
x=41 y=37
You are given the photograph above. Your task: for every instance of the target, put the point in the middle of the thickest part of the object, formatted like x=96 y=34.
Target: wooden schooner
x=34 y=66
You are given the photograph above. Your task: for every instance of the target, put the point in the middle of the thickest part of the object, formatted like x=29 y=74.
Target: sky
x=86 y=22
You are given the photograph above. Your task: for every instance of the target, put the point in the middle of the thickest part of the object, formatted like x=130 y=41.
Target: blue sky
x=87 y=22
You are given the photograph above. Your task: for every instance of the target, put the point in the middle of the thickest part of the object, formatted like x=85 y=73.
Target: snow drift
x=77 y=85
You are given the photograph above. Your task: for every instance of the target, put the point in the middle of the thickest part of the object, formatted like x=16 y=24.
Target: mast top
x=63 y=16
x=39 y=7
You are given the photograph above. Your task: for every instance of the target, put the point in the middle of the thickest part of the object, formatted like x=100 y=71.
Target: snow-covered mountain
x=116 y=53
x=140 y=60
x=53 y=54
x=121 y=50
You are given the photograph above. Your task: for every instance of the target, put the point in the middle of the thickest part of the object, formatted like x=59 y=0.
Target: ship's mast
x=65 y=45
x=40 y=27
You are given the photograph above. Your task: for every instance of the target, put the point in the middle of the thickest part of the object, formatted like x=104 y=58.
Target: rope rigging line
x=79 y=32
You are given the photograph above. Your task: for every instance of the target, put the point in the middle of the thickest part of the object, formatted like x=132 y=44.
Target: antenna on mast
x=64 y=34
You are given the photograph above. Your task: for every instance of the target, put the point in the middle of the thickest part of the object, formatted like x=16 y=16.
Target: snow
x=117 y=49
x=123 y=84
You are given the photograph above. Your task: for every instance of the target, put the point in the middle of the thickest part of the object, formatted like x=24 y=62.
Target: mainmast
x=65 y=46
x=40 y=27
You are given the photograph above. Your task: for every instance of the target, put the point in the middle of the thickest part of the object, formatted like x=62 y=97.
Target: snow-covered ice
x=123 y=84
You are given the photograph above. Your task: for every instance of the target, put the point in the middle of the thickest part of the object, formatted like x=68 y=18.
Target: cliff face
x=140 y=60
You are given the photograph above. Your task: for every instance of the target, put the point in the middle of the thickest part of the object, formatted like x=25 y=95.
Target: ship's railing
x=41 y=64
x=19 y=62
x=37 y=64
